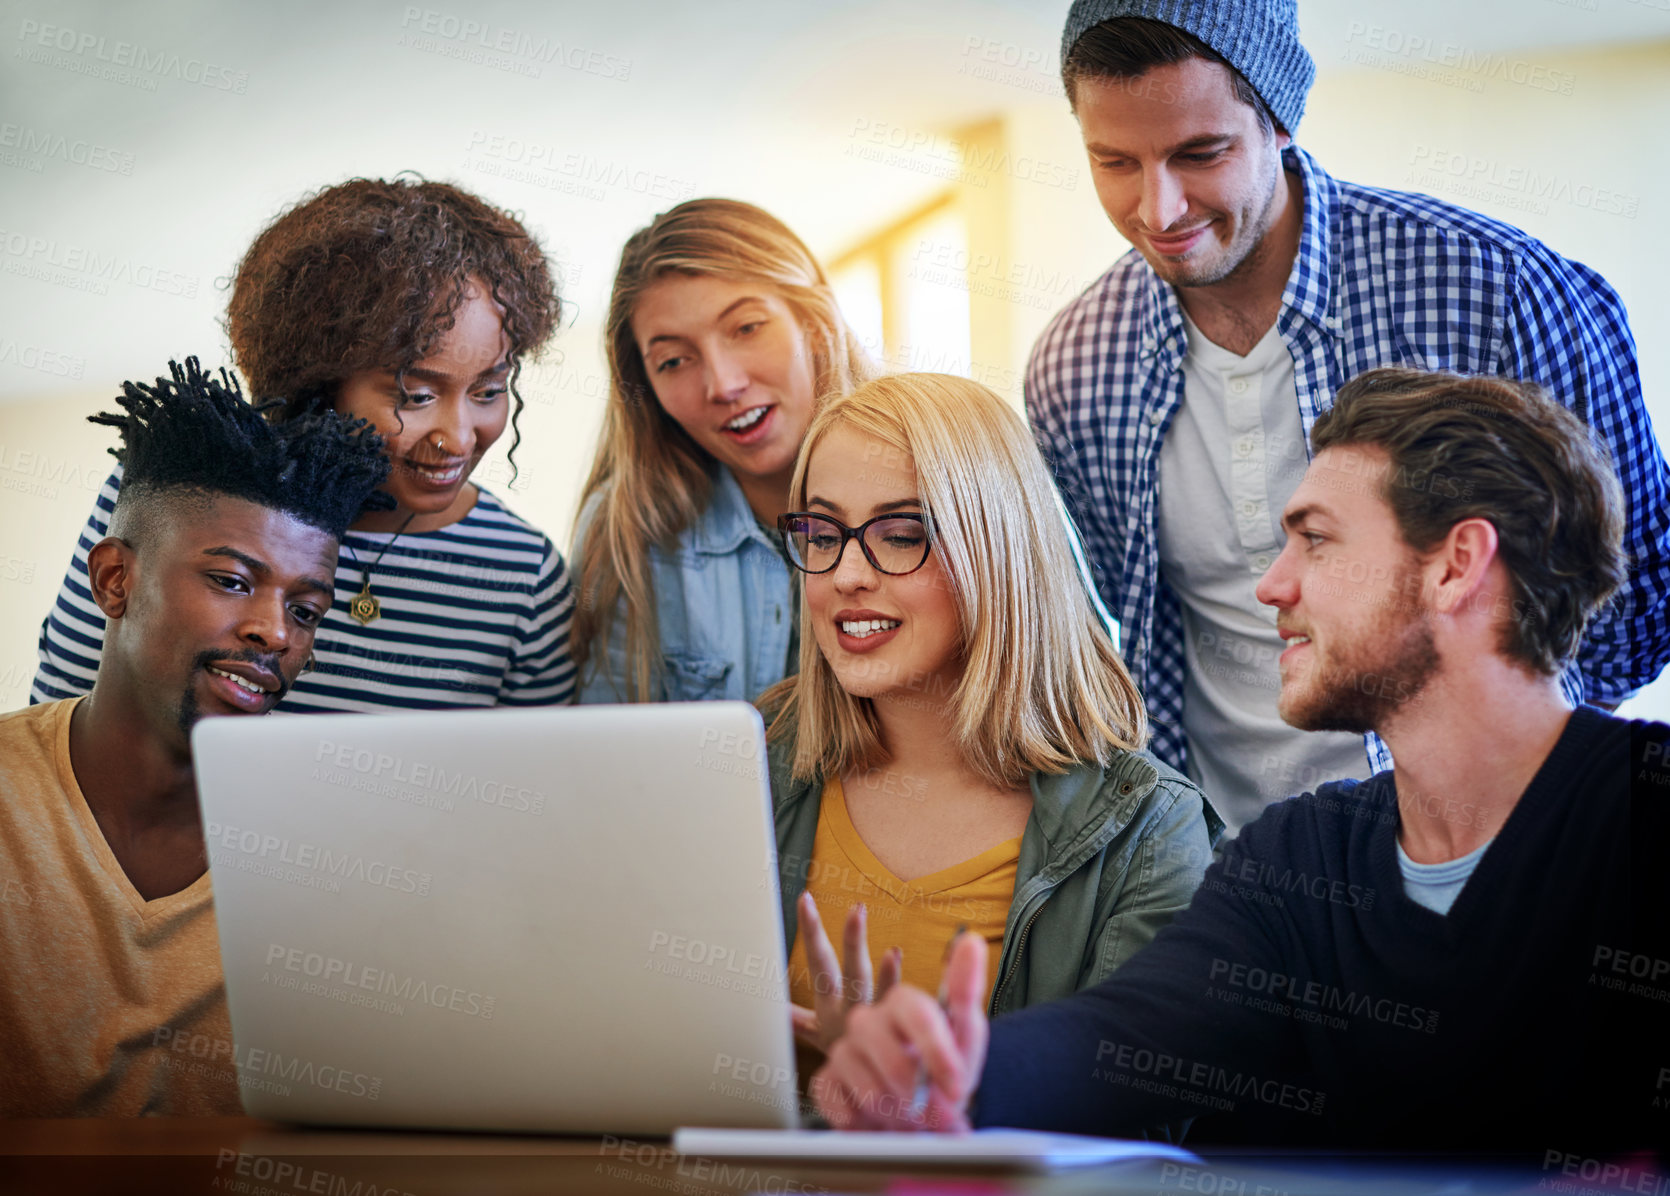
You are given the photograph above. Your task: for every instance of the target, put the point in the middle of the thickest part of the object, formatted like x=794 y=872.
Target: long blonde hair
x=1043 y=687
x=653 y=478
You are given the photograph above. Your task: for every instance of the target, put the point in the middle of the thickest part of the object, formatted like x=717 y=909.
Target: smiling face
x=730 y=363
x=883 y=635
x=1183 y=168
x=1348 y=591
x=454 y=407
x=213 y=610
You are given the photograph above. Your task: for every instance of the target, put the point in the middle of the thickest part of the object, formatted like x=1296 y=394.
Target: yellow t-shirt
x=110 y=1005
x=918 y=916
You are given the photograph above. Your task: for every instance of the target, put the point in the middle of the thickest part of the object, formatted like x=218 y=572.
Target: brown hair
x=1464 y=447
x=1129 y=47
x=369 y=275
x=649 y=478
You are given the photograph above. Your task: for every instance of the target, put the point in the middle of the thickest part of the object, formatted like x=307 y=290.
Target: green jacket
x=1108 y=857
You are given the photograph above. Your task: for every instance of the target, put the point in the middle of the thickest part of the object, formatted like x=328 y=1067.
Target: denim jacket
x=724 y=607
x=1108 y=857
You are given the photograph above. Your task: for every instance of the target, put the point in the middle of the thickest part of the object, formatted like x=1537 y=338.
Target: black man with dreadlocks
x=217 y=570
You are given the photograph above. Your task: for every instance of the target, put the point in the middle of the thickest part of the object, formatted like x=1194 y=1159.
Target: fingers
x=805 y=1023
x=945 y=1116
x=898 y=1070
x=844 y=1091
x=853 y=1092
x=855 y=951
x=965 y=1003
x=871 y=1077
x=892 y=968
x=827 y=986
x=965 y=976
x=926 y=1027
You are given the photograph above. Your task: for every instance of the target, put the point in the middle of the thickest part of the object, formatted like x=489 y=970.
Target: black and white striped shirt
x=473 y=614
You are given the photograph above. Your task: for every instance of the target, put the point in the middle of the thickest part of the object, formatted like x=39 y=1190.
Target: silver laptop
x=559 y=920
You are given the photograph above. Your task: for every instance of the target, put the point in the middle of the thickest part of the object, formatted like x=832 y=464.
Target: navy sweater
x=1303 y=999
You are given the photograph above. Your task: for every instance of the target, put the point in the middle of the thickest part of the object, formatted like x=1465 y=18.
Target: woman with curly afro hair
x=412 y=305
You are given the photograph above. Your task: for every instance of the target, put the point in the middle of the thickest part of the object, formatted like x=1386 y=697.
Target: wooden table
x=239 y=1156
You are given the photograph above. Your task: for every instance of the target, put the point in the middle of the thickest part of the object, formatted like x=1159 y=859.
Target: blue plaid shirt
x=1381 y=278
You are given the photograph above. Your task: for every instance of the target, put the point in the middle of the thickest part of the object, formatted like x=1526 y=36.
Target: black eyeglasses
x=894 y=544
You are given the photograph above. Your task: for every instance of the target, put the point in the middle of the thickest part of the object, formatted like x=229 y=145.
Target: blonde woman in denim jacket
x=962 y=746
x=722 y=335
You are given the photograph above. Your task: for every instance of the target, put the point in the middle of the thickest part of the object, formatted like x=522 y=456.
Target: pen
x=919 y=1101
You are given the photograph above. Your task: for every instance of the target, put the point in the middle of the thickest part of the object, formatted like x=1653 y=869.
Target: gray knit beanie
x=1259 y=38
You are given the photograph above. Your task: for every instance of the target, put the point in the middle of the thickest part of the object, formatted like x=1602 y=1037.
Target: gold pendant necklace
x=365 y=608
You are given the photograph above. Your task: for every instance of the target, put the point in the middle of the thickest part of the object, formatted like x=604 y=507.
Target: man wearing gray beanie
x=1174 y=397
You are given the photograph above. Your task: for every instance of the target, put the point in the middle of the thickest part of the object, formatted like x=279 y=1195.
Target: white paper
x=1020 y=1149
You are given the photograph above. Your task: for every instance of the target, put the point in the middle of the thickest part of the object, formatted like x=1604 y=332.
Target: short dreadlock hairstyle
x=369 y=275
x=195 y=435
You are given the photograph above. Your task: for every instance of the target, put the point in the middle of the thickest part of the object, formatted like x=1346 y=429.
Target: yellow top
x=919 y=916
x=110 y=1005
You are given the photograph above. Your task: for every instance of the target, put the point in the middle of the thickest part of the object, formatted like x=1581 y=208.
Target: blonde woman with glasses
x=962 y=747
x=722 y=336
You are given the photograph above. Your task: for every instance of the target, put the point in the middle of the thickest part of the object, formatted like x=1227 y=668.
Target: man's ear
x=1463 y=562
x=111 y=571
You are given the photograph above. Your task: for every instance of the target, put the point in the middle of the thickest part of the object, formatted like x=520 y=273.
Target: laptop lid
x=553 y=920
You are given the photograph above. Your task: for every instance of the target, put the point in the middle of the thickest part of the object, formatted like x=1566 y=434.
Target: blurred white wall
x=143 y=145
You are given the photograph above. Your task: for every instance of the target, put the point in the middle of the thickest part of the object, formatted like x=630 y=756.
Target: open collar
x=1309 y=292
x=728 y=519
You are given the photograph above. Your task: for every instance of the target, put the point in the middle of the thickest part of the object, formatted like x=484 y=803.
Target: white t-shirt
x=1233 y=456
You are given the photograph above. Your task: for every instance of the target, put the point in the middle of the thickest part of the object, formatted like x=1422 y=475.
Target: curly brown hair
x=369 y=275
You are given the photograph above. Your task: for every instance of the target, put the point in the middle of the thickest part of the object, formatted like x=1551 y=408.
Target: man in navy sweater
x=1467 y=950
